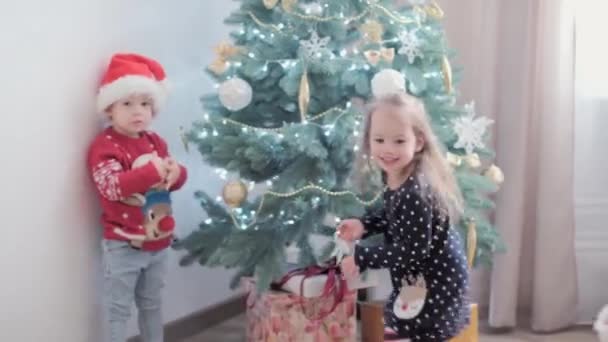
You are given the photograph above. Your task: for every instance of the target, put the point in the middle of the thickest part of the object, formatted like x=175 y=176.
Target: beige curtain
x=520 y=53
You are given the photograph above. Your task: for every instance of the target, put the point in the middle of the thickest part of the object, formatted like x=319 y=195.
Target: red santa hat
x=129 y=74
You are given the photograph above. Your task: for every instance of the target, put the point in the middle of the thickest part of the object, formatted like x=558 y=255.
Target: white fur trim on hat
x=129 y=85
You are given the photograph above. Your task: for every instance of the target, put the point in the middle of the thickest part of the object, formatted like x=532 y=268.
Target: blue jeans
x=131 y=274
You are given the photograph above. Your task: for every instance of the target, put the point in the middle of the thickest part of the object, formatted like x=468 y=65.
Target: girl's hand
x=350 y=230
x=348 y=266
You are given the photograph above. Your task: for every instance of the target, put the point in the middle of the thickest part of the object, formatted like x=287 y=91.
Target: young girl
x=133 y=174
x=423 y=253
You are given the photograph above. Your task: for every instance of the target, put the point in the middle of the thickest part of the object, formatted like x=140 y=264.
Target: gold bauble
x=270 y=3
x=372 y=31
x=288 y=5
x=446 y=69
x=471 y=242
x=304 y=95
x=234 y=193
x=473 y=160
x=453 y=159
x=434 y=10
x=494 y=173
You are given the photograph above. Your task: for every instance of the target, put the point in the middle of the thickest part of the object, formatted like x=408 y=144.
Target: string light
x=328 y=129
x=280 y=129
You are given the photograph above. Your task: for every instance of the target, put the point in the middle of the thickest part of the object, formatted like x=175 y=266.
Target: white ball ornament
x=235 y=94
x=388 y=82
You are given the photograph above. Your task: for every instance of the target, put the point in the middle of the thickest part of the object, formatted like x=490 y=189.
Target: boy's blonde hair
x=430 y=161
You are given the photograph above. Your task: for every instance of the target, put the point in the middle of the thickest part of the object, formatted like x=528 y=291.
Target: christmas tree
x=285 y=120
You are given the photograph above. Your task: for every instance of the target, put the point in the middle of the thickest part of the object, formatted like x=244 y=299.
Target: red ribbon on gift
x=335 y=285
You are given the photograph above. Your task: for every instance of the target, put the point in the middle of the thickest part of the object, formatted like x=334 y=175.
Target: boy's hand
x=160 y=166
x=348 y=266
x=173 y=171
x=350 y=230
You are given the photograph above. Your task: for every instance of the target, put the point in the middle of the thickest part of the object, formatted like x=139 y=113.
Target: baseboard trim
x=199 y=321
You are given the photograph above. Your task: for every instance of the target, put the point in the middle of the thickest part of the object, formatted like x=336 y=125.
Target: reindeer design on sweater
x=156 y=206
x=412 y=297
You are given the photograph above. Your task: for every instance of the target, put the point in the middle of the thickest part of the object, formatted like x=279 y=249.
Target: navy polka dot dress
x=426 y=261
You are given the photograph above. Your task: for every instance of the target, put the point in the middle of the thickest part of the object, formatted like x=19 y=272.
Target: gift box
x=313 y=286
x=287 y=317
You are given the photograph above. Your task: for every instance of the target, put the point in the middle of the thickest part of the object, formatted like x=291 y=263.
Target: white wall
x=53 y=52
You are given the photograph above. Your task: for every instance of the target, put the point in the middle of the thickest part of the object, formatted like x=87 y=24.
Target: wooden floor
x=233 y=331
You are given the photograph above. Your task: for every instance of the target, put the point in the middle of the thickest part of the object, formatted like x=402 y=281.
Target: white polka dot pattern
x=419 y=241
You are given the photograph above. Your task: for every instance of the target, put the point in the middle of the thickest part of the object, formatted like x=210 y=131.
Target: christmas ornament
x=427 y=7
x=470 y=130
x=420 y=14
x=473 y=160
x=224 y=51
x=218 y=66
x=235 y=94
x=372 y=31
x=434 y=10
x=312 y=8
x=304 y=95
x=410 y=45
x=288 y=5
x=446 y=69
x=314 y=45
x=494 y=173
x=471 y=242
x=270 y=3
x=387 y=82
x=234 y=193
x=453 y=159
x=374 y=56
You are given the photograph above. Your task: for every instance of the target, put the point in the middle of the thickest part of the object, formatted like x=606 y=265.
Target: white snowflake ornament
x=470 y=130
x=314 y=45
x=410 y=45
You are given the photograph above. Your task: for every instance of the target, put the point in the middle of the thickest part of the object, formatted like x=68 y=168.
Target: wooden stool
x=471 y=332
x=372 y=322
